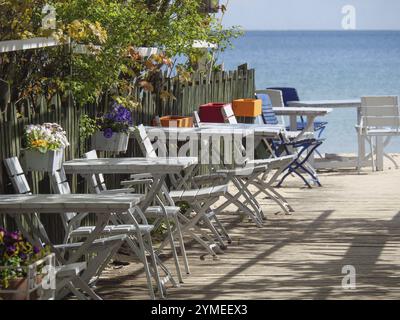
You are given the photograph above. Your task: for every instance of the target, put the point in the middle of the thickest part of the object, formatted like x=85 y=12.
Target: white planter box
x=117 y=143
x=50 y=161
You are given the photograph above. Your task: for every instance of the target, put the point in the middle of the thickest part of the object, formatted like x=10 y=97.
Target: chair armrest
x=141 y=176
x=360 y=127
x=131 y=183
x=119 y=191
x=212 y=177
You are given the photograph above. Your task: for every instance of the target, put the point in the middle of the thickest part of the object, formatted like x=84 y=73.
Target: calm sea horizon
x=324 y=65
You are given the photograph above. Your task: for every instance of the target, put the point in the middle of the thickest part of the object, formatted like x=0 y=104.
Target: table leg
x=361 y=142
x=101 y=223
x=293 y=123
x=379 y=153
x=158 y=183
x=309 y=129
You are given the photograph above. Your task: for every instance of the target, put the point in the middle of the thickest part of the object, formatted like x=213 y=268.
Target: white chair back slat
x=96 y=182
x=276 y=98
x=17 y=176
x=144 y=142
x=13 y=166
x=196 y=119
x=377 y=101
x=380 y=112
x=227 y=113
x=379 y=122
x=60 y=185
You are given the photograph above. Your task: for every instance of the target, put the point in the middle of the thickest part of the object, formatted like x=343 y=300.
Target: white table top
x=48 y=203
x=206 y=131
x=129 y=165
x=347 y=103
x=302 y=111
x=258 y=128
x=222 y=129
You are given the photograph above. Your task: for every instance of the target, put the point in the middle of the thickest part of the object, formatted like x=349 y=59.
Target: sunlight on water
x=325 y=65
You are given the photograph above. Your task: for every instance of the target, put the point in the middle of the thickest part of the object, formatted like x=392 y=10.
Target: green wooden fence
x=219 y=87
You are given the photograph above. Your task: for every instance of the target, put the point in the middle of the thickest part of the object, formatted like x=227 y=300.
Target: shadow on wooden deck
x=353 y=220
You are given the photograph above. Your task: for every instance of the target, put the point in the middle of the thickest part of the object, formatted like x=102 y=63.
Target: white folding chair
x=161 y=213
x=197 y=201
x=276 y=99
x=265 y=167
x=69 y=276
x=380 y=117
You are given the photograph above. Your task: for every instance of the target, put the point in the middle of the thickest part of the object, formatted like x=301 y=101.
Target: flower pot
x=212 y=112
x=176 y=121
x=20 y=288
x=33 y=160
x=247 y=107
x=118 y=142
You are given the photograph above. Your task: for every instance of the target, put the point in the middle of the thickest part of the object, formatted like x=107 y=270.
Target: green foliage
x=184 y=207
x=87 y=126
x=110 y=33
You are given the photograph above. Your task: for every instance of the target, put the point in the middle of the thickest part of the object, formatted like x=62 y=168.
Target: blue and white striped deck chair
x=304 y=147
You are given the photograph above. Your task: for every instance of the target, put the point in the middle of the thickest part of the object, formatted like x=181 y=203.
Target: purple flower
x=23 y=256
x=14 y=236
x=108 y=133
x=10 y=249
x=36 y=250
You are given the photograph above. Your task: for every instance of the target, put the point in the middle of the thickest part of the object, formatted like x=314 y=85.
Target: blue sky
x=311 y=14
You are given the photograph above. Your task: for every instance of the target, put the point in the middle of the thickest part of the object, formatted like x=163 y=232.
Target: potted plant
x=247 y=107
x=176 y=121
x=44 y=147
x=113 y=129
x=212 y=112
x=17 y=257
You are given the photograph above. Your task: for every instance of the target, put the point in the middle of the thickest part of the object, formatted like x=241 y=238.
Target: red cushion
x=211 y=112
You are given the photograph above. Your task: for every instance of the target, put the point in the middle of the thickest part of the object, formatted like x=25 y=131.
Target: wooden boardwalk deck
x=353 y=220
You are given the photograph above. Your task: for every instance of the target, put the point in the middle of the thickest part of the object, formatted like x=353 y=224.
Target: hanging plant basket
x=33 y=160
x=118 y=142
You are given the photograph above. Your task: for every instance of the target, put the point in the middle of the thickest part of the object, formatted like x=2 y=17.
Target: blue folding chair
x=290 y=94
x=305 y=147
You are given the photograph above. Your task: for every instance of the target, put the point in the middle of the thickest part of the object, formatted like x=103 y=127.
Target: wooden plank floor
x=352 y=220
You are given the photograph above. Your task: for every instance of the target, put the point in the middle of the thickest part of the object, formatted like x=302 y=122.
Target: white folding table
x=102 y=206
x=310 y=113
x=159 y=168
x=337 y=161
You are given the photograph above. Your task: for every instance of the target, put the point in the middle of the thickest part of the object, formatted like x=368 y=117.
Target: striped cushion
x=268 y=113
